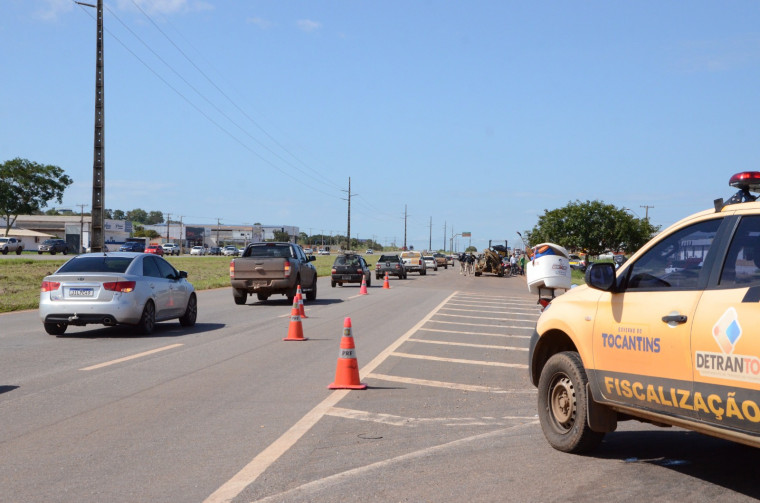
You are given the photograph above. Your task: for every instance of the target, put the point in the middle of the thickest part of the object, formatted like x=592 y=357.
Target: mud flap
x=600 y=417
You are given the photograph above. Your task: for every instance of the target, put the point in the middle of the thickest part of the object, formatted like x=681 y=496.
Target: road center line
x=127 y=358
x=248 y=475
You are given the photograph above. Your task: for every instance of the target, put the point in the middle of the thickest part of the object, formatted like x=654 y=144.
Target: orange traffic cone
x=299 y=299
x=347 y=370
x=295 y=330
x=363 y=289
x=386 y=285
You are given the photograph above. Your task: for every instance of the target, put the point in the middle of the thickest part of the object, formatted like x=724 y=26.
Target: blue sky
x=479 y=115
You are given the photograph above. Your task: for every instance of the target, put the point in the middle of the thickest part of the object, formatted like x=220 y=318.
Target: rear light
x=287 y=269
x=377 y=267
x=335 y=271
x=232 y=269
x=49 y=286
x=120 y=286
x=749 y=180
x=359 y=271
x=544 y=303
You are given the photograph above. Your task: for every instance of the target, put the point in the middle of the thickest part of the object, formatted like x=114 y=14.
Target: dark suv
x=53 y=246
x=132 y=246
x=392 y=264
x=350 y=268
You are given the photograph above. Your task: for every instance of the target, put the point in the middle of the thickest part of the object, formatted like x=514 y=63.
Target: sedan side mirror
x=601 y=276
x=182 y=274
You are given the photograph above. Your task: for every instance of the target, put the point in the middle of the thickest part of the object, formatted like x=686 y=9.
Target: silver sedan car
x=116 y=288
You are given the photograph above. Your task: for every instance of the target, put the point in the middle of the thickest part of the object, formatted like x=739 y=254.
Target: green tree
x=119 y=215
x=155 y=217
x=138 y=215
x=281 y=236
x=592 y=227
x=471 y=249
x=142 y=233
x=26 y=187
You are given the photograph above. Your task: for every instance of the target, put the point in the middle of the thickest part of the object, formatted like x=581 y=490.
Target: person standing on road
x=513 y=265
x=462 y=263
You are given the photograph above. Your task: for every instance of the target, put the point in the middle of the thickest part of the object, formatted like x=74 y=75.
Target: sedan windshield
x=96 y=264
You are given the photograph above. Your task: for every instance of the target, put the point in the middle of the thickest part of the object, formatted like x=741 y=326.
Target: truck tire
x=263 y=297
x=312 y=294
x=5 y=251
x=291 y=294
x=562 y=405
x=240 y=296
x=332 y=283
x=18 y=251
x=369 y=281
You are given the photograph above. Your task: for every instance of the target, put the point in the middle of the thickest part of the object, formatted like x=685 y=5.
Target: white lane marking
x=469 y=324
x=127 y=358
x=468 y=345
x=439 y=384
x=310 y=491
x=459 y=360
x=475 y=333
x=490 y=311
x=483 y=318
x=245 y=477
x=413 y=422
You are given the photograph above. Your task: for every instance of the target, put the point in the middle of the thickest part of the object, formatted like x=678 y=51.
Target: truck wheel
x=369 y=281
x=263 y=297
x=312 y=295
x=39 y=253
x=332 y=283
x=377 y=277
x=18 y=251
x=5 y=252
x=562 y=406
x=55 y=328
x=240 y=296
x=291 y=294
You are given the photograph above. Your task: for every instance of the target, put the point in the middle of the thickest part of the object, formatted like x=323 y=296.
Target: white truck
x=11 y=245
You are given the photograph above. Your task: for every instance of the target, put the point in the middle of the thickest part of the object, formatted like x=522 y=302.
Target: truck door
x=642 y=334
x=725 y=339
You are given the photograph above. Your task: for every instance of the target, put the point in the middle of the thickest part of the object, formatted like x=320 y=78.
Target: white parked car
x=230 y=251
x=198 y=250
x=170 y=249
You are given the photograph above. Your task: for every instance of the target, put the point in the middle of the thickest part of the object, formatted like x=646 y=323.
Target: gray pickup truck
x=272 y=268
x=11 y=245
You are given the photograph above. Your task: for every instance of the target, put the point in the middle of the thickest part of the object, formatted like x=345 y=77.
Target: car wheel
x=65 y=252
x=562 y=406
x=263 y=297
x=312 y=295
x=52 y=252
x=55 y=328
x=332 y=283
x=369 y=281
x=39 y=253
x=377 y=277
x=148 y=320
x=191 y=312
x=240 y=296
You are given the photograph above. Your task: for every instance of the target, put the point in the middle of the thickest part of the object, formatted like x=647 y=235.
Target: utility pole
x=430 y=237
x=218 y=223
x=181 y=241
x=646 y=208
x=168 y=221
x=81 y=227
x=444 y=236
x=405 y=227
x=348 y=232
x=97 y=239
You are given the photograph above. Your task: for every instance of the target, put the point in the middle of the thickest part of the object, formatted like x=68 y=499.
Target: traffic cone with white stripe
x=386 y=284
x=363 y=289
x=295 y=330
x=299 y=296
x=347 y=370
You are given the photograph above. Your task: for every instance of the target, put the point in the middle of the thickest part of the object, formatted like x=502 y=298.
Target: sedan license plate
x=81 y=292
x=346 y=276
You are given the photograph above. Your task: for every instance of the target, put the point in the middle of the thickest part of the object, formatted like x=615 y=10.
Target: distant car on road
x=430 y=262
x=132 y=246
x=577 y=262
x=391 y=264
x=414 y=262
x=214 y=250
x=369 y=251
x=232 y=251
x=350 y=268
x=197 y=250
x=155 y=250
x=53 y=246
x=441 y=260
x=114 y=288
x=8 y=245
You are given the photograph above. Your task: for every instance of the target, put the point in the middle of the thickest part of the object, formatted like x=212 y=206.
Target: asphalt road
x=227 y=411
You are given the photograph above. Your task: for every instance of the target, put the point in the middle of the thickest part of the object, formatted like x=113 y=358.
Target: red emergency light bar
x=746 y=182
